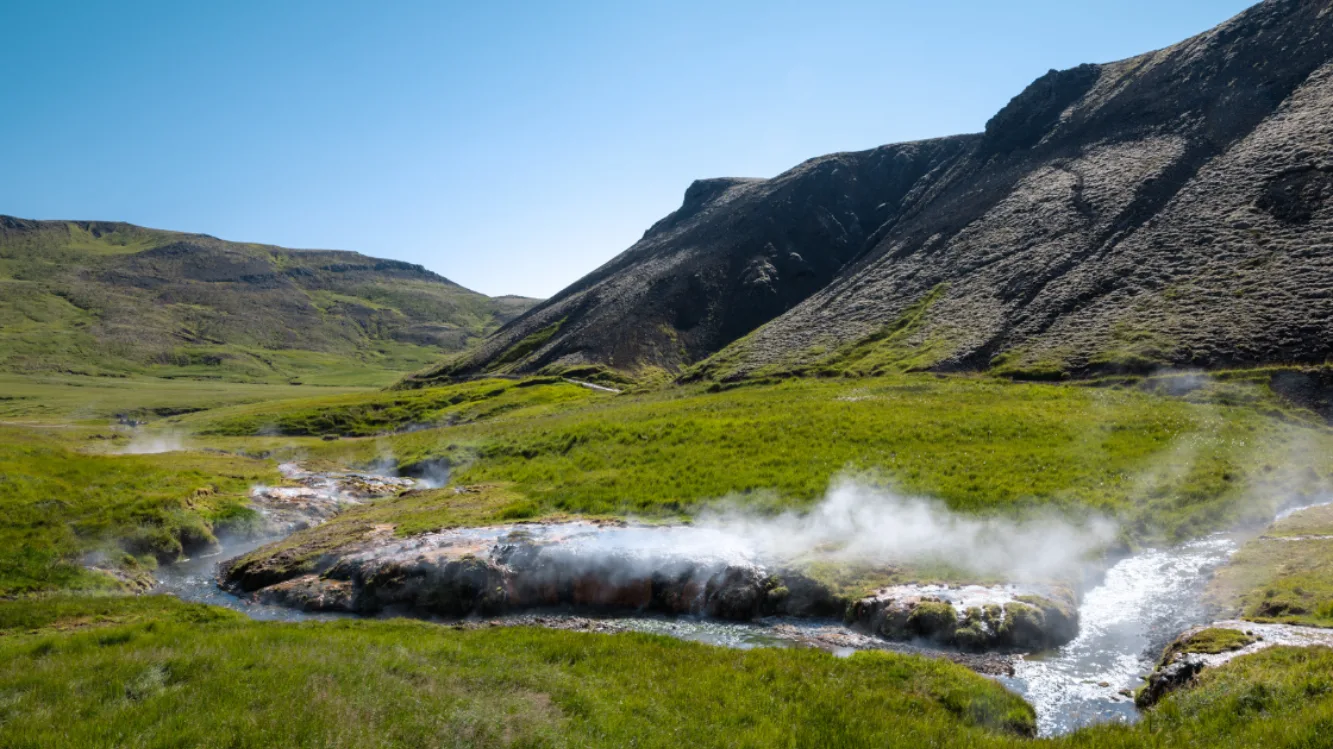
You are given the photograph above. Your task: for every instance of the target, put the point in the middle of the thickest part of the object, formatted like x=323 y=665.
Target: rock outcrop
x=615 y=568
x=1175 y=208
x=971 y=617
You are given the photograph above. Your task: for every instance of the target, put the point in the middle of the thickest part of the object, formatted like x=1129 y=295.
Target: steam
x=431 y=474
x=150 y=444
x=861 y=524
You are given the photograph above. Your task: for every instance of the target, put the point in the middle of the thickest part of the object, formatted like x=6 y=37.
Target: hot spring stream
x=1143 y=602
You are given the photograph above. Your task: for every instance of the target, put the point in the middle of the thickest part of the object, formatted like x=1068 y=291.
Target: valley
x=1018 y=438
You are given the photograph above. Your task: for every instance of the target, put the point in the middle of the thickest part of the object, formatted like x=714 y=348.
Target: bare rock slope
x=1171 y=209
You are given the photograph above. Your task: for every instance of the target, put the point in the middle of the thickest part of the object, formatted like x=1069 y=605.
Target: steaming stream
x=1144 y=601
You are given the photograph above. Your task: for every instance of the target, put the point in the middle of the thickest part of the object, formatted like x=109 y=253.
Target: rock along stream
x=1142 y=603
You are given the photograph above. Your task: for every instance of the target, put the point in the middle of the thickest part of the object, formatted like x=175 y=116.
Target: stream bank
x=1076 y=661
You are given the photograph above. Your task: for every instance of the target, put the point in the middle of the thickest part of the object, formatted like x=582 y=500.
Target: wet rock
x=309 y=593
x=992 y=617
x=318 y=496
x=1167 y=679
x=736 y=593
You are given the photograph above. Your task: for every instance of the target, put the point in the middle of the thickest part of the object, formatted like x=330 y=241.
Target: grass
x=1284 y=576
x=64 y=509
x=370 y=414
x=1210 y=641
x=113 y=299
x=105 y=670
x=156 y=672
x=1166 y=467
x=63 y=399
x=398 y=683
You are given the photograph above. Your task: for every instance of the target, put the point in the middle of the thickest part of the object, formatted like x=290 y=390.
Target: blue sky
x=511 y=147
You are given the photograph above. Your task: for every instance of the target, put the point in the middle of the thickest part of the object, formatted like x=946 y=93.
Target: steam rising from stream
x=152 y=443
x=860 y=523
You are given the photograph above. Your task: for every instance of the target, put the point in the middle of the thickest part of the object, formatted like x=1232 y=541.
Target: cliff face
x=1170 y=209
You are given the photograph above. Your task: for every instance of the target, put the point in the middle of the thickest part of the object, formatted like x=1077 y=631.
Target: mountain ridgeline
x=88 y=297
x=1173 y=209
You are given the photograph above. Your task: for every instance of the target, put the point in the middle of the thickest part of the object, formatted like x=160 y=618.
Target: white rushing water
x=1145 y=601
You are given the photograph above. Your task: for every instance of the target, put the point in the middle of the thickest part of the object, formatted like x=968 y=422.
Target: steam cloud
x=150 y=444
x=862 y=524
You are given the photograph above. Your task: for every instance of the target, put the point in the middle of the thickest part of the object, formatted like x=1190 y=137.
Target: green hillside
x=104 y=298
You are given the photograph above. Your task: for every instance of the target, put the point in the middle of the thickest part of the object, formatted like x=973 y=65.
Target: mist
x=149 y=444
x=856 y=524
x=859 y=523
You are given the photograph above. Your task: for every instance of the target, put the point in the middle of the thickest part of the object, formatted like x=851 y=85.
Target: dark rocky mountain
x=1171 y=209
x=99 y=297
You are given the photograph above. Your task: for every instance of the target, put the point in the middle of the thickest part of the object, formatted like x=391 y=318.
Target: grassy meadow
x=1166 y=467
x=153 y=672
x=83 y=664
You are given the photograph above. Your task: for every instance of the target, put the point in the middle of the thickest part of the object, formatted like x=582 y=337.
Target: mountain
x=93 y=297
x=1170 y=209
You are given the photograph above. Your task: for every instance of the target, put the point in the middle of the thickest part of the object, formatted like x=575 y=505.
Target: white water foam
x=1144 y=602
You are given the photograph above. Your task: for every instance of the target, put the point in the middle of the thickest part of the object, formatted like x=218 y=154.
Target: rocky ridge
x=1172 y=209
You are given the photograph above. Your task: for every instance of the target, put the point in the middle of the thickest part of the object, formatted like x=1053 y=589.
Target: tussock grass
x=60 y=509
x=1285 y=575
x=410 y=684
x=1167 y=467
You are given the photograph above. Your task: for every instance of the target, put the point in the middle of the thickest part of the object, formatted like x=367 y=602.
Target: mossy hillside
x=61 y=509
x=98 y=298
x=1285 y=575
x=894 y=348
x=398 y=683
x=1167 y=468
x=529 y=344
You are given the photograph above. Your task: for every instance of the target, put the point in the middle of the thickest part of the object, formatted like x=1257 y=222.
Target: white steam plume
x=151 y=443
x=861 y=524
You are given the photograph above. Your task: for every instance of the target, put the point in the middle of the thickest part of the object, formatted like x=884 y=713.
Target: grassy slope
x=181 y=680
x=152 y=672
x=84 y=298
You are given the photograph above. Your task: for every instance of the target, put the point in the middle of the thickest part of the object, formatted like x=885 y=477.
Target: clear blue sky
x=512 y=147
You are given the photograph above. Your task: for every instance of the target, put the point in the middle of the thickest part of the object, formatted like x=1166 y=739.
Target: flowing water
x=195 y=579
x=1143 y=602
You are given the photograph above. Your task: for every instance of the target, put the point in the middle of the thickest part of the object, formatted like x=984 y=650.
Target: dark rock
x=1172 y=209
x=1167 y=679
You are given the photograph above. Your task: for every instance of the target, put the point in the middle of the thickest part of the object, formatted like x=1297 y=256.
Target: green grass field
x=82 y=665
x=154 y=672
x=1167 y=468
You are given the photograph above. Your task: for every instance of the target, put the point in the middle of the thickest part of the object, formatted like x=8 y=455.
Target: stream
x=1143 y=602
